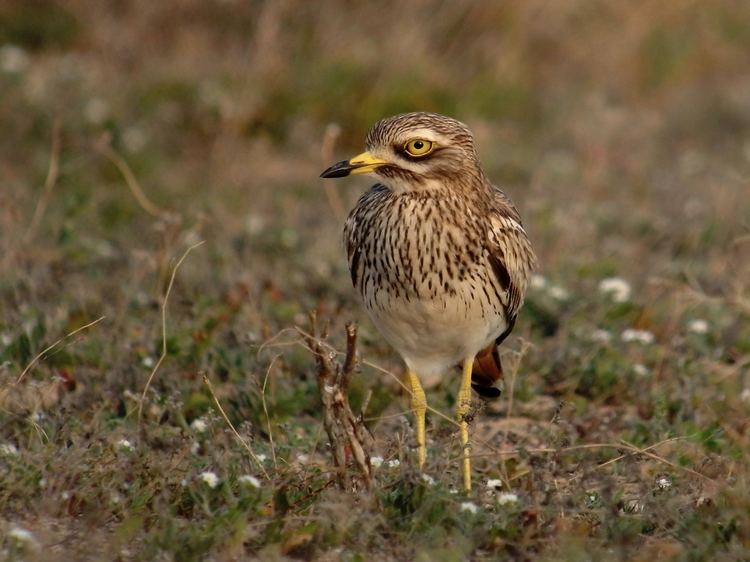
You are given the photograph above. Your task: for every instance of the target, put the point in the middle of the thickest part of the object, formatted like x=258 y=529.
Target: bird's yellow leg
x=419 y=407
x=462 y=409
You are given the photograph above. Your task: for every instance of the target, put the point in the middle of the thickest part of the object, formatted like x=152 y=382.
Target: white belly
x=433 y=336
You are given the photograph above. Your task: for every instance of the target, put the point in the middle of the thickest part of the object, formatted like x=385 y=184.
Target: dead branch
x=347 y=434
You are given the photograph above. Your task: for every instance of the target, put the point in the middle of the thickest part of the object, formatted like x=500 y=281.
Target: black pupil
x=418 y=145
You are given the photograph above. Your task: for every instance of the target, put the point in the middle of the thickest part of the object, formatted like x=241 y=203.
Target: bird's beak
x=361 y=164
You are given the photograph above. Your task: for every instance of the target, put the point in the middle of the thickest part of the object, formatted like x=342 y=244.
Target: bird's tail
x=487 y=372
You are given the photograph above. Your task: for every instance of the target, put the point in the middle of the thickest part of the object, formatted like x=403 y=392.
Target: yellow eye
x=419 y=147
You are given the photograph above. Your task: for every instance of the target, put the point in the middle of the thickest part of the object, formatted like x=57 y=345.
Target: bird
x=439 y=256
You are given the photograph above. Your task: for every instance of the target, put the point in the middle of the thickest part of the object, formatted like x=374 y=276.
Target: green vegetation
x=621 y=130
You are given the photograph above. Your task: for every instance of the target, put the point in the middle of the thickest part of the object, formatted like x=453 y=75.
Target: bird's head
x=415 y=152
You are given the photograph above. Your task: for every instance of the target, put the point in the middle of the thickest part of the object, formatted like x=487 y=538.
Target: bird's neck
x=469 y=183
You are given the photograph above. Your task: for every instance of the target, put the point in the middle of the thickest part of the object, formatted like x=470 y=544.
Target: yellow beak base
x=364 y=163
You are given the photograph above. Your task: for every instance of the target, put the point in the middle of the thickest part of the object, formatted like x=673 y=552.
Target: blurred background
x=130 y=130
x=622 y=131
x=583 y=111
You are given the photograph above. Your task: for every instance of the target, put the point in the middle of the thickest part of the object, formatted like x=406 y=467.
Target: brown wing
x=512 y=260
x=510 y=252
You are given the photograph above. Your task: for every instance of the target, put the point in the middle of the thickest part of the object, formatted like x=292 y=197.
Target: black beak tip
x=338 y=170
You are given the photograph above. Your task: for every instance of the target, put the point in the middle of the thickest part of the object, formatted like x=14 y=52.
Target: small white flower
x=8 y=449
x=209 y=479
x=427 y=479
x=6 y=339
x=640 y=369
x=199 y=425
x=698 y=326
x=255 y=224
x=96 y=111
x=19 y=534
x=191 y=238
x=601 y=336
x=125 y=445
x=558 y=293
x=147 y=362
x=618 y=288
x=115 y=498
x=65 y=495
x=303 y=458
x=261 y=457
x=494 y=483
x=376 y=462
x=745 y=395
x=249 y=480
x=640 y=336
x=663 y=483
x=537 y=281
x=507 y=498
x=394 y=463
x=42 y=483
x=195 y=448
x=183 y=482
x=13 y=59
x=470 y=507
x=134 y=139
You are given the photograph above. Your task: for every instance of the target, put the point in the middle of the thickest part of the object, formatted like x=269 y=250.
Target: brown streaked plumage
x=438 y=254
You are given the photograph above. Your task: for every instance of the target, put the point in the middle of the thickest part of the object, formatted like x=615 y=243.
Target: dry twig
x=632 y=449
x=49 y=348
x=53 y=171
x=105 y=148
x=163 y=328
x=207 y=381
x=347 y=434
x=511 y=395
x=265 y=411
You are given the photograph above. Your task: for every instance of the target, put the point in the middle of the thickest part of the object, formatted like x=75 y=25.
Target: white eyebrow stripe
x=426 y=134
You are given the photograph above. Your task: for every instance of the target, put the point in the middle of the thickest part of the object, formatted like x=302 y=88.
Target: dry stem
x=163 y=328
x=145 y=203
x=347 y=434
x=53 y=171
x=49 y=348
x=207 y=381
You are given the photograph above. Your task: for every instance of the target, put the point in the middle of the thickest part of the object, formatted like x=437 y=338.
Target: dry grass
x=622 y=130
